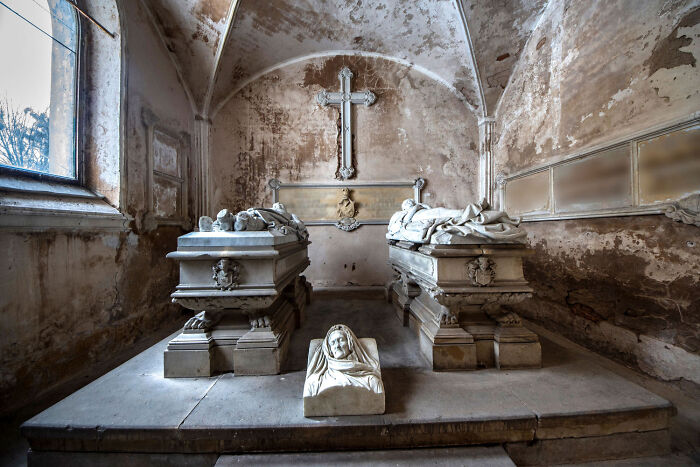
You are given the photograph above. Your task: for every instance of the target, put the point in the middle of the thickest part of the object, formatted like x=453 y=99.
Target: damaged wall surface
x=499 y=31
x=273 y=128
x=71 y=300
x=590 y=73
x=586 y=77
x=428 y=34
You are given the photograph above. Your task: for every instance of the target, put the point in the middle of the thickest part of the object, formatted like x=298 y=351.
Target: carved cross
x=343 y=99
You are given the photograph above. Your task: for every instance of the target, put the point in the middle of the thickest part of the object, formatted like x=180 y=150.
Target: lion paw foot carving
x=201 y=321
x=260 y=322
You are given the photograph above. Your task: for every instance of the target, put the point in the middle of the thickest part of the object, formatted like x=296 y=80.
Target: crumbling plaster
x=273 y=128
x=73 y=300
x=499 y=30
x=193 y=30
x=590 y=73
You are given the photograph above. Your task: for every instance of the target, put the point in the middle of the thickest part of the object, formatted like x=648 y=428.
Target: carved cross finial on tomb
x=343 y=99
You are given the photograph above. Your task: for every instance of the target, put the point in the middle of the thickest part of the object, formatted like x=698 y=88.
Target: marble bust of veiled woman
x=342 y=360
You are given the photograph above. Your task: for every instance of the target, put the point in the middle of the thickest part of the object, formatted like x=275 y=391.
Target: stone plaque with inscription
x=317 y=204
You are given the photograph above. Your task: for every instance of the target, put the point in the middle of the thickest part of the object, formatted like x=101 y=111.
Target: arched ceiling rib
x=192 y=30
x=426 y=33
x=499 y=30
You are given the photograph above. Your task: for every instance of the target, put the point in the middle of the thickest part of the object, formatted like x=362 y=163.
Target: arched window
x=38 y=87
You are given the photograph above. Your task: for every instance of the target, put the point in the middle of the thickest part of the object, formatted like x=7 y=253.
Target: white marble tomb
x=241 y=275
x=455 y=270
x=343 y=376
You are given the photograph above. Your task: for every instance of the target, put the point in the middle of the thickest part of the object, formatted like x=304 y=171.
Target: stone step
x=570 y=410
x=478 y=456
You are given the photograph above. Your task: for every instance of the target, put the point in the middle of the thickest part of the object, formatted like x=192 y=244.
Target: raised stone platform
x=570 y=410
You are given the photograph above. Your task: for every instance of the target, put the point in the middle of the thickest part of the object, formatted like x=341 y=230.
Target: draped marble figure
x=342 y=360
x=256 y=219
x=419 y=223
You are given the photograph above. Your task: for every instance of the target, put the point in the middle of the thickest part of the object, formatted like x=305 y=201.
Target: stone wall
x=592 y=72
x=73 y=300
x=273 y=128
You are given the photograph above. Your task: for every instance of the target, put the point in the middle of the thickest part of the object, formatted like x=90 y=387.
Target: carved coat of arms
x=226 y=272
x=480 y=271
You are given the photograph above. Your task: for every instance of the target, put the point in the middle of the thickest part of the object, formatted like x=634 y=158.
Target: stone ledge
x=570 y=400
x=595 y=448
x=39 y=212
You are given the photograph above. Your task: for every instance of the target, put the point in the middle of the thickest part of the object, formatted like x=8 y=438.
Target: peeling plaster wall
x=273 y=128
x=192 y=30
x=499 y=30
x=628 y=287
x=70 y=301
x=594 y=71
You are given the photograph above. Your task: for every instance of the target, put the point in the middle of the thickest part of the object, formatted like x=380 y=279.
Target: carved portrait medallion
x=226 y=273
x=480 y=271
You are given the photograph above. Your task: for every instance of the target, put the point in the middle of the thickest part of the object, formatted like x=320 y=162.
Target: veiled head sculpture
x=342 y=360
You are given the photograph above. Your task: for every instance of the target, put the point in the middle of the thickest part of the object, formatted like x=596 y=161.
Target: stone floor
x=134 y=408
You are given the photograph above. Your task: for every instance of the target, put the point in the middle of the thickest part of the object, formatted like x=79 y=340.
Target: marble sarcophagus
x=456 y=273
x=241 y=274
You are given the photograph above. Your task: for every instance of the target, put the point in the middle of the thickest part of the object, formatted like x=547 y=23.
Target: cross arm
x=325 y=98
x=363 y=97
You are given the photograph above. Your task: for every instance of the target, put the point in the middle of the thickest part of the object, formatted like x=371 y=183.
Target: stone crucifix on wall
x=343 y=99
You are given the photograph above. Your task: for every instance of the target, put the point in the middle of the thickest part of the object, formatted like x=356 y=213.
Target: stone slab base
x=402 y=301
x=569 y=402
x=516 y=355
x=118 y=459
x=231 y=345
x=222 y=358
x=264 y=361
x=594 y=448
x=342 y=400
x=448 y=356
x=474 y=456
x=477 y=456
x=516 y=347
x=186 y=363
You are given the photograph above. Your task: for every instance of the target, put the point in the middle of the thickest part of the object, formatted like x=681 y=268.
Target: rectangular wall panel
x=600 y=181
x=528 y=195
x=320 y=204
x=669 y=166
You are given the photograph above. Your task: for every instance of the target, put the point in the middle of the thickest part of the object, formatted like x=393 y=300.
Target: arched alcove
x=272 y=127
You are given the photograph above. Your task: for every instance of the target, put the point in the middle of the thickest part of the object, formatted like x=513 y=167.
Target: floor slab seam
x=534 y=413
x=199 y=401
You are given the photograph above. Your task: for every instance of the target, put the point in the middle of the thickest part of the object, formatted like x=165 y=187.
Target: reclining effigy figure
x=459 y=272
x=255 y=219
x=419 y=223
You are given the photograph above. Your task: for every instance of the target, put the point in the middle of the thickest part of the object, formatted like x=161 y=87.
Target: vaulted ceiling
x=219 y=46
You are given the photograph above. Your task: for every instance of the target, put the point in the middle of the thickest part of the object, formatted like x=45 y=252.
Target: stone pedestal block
x=299 y=296
x=483 y=339
x=459 y=303
x=187 y=363
x=444 y=344
x=189 y=355
x=517 y=347
x=402 y=293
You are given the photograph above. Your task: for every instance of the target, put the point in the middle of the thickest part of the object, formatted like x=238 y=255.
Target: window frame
x=78 y=154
